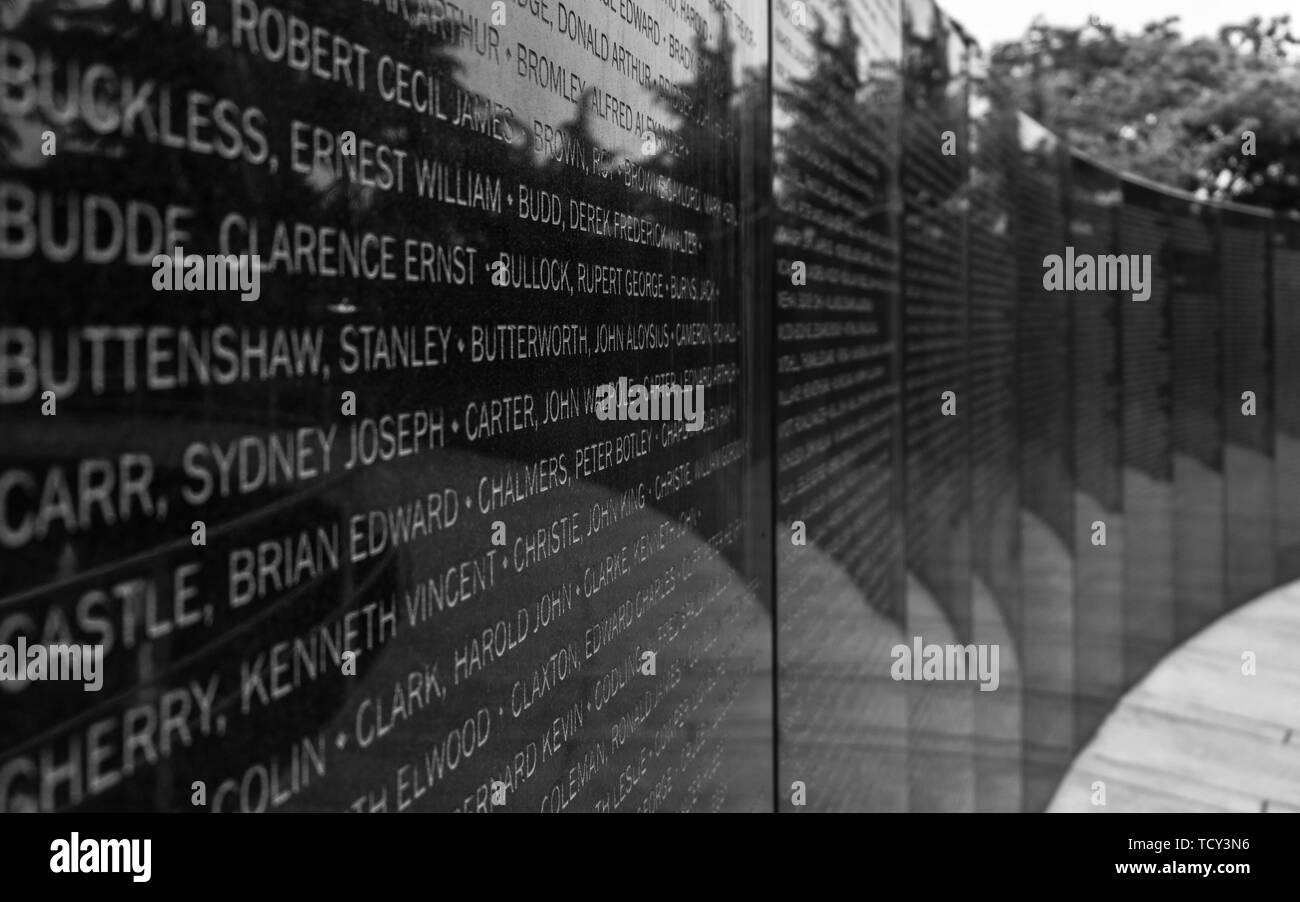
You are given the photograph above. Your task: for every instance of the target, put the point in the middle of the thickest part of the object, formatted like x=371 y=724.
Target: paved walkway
x=1198 y=735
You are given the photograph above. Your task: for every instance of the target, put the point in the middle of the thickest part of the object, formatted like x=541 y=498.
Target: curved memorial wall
x=597 y=406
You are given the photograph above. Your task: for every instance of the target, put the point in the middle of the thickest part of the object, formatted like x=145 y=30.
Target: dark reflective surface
x=618 y=164
x=1094 y=202
x=200 y=497
x=836 y=98
x=1047 y=523
x=1146 y=337
x=1286 y=381
x=995 y=511
x=935 y=363
x=1199 y=319
x=1244 y=244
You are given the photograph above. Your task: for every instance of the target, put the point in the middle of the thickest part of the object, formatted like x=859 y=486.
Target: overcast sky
x=991 y=21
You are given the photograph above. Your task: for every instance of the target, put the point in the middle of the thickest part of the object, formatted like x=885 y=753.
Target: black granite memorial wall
x=1146 y=333
x=468 y=220
x=1286 y=387
x=368 y=539
x=836 y=93
x=934 y=385
x=1093 y=203
x=995 y=512
x=1197 y=317
x=1245 y=242
x=1044 y=372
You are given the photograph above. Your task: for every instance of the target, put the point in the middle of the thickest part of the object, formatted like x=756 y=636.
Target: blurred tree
x=1170 y=109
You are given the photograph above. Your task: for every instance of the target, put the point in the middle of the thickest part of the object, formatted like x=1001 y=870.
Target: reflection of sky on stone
x=1033 y=136
x=504 y=83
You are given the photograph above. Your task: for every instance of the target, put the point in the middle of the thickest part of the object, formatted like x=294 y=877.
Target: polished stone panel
x=936 y=394
x=1250 y=553
x=994 y=433
x=840 y=592
x=1198 y=403
x=1043 y=364
x=1286 y=393
x=429 y=563
x=1099 y=535
x=1147 y=333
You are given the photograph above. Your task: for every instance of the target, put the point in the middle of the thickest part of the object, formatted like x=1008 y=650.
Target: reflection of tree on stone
x=994 y=143
x=934 y=96
x=719 y=119
x=715 y=123
x=579 y=130
x=928 y=73
x=836 y=151
x=857 y=135
x=706 y=112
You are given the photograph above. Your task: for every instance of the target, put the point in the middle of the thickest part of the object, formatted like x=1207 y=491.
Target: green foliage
x=1170 y=109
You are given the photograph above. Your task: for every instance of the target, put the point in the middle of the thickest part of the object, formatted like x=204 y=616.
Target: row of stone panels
x=357 y=532
x=1103 y=486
